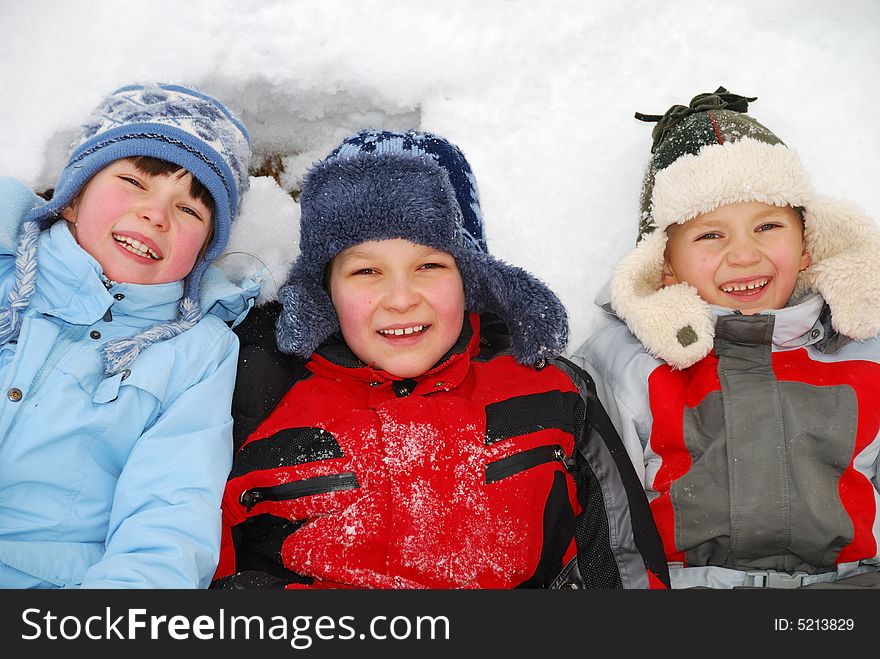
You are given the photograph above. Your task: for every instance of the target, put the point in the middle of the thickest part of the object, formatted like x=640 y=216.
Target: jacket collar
x=797 y=325
x=807 y=321
x=71 y=286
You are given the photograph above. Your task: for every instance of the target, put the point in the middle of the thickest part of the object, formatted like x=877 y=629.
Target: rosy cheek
x=351 y=313
x=116 y=199
x=195 y=242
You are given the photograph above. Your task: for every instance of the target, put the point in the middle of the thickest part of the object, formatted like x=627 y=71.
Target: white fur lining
x=844 y=244
x=673 y=323
x=721 y=174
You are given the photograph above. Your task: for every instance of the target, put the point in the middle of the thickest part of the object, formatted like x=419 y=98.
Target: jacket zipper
x=304 y=488
x=519 y=462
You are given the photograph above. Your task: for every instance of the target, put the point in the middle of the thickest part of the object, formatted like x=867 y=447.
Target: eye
x=191 y=211
x=709 y=235
x=432 y=266
x=363 y=272
x=767 y=226
x=132 y=181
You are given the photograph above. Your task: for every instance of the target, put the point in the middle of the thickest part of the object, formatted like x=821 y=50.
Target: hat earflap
x=843 y=244
x=536 y=319
x=307 y=316
x=673 y=323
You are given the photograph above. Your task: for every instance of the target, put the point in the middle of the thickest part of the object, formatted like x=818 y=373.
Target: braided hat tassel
x=25 y=282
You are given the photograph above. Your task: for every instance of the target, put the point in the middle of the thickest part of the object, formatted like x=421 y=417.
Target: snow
x=539 y=95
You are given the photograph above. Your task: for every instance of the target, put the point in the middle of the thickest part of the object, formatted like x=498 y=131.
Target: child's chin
x=408 y=369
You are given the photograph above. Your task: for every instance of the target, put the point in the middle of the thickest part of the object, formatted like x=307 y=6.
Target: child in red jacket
x=399 y=439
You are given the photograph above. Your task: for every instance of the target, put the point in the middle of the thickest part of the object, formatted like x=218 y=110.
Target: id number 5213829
x=813 y=624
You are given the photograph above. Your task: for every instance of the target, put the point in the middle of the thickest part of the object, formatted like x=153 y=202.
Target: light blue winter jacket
x=110 y=482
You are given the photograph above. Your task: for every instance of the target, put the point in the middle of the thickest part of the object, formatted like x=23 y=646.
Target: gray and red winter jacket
x=761 y=459
x=482 y=473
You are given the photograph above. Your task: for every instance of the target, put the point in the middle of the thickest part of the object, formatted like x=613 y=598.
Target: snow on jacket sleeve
x=164 y=527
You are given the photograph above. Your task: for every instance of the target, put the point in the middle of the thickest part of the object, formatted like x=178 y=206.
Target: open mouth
x=136 y=247
x=404 y=331
x=745 y=287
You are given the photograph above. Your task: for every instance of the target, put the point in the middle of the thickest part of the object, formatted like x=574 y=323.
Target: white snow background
x=539 y=95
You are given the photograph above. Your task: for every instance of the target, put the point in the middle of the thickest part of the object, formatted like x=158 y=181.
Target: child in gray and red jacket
x=740 y=362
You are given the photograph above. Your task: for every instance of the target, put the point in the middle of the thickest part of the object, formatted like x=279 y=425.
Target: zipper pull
x=566 y=461
x=250 y=498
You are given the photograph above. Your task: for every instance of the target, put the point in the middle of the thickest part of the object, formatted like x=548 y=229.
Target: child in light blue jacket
x=117 y=364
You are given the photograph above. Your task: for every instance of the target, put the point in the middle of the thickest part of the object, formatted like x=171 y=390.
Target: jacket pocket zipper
x=304 y=488
x=518 y=462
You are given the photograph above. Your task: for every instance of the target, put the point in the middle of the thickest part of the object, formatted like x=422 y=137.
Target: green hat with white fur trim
x=708 y=154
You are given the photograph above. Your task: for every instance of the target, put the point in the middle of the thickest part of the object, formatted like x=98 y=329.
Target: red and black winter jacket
x=481 y=473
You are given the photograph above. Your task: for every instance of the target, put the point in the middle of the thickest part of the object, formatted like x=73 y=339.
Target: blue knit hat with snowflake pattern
x=380 y=185
x=170 y=122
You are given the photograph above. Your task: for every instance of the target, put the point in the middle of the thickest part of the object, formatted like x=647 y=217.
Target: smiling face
x=141 y=228
x=400 y=305
x=743 y=256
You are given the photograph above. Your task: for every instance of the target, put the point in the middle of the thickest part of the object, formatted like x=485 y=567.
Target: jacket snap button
x=815 y=333
x=375 y=384
x=119 y=296
x=14 y=394
x=439 y=384
x=95 y=334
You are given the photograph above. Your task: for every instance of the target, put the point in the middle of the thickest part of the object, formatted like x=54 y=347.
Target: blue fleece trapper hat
x=380 y=185
x=173 y=123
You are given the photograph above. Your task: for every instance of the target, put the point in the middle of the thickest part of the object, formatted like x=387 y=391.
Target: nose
x=743 y=252
x=155 y=212
x=400 y=294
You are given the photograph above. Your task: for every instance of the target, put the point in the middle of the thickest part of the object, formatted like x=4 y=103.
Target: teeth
x=400 y=332
x=732 y=288
x=136 y=247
